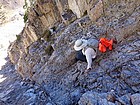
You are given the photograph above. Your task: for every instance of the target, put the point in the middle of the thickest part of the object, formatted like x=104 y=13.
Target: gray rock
x=68 y=16
x=2 y=102
x=49 y=104
x=75 y=95
x=135 y=99
x=125 y=100
x=93 y=98
x=46 y=61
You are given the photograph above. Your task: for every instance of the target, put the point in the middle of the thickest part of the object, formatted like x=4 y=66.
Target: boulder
x=135 y=99
x=94 y=98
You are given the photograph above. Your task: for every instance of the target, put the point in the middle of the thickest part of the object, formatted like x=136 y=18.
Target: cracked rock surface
x=15 y=91
x=115 y=75
x=41 y=67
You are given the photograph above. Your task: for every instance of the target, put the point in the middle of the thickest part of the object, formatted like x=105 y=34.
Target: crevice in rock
x=49 y=50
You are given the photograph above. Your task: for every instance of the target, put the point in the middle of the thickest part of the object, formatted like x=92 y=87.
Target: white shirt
x=89 y=53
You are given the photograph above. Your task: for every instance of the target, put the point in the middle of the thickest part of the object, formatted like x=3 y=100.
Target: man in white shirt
x=87 y=50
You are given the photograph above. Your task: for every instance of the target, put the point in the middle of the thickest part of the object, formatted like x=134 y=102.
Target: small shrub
x=26 y=7
x=18 y=37
x=25 y=17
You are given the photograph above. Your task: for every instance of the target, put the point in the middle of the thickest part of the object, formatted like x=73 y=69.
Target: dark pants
x=80 y=56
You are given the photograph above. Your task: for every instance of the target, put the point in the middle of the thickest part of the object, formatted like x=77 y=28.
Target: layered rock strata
x=44 y=52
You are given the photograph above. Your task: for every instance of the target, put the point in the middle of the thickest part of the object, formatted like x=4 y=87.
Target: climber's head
x=80 y=44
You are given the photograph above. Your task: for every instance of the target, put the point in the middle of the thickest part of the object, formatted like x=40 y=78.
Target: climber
x=86 y=51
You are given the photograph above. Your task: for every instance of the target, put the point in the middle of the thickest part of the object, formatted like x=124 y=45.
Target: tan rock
x=32 y=35
x=44 y=21
x=48 y=13
x=78 y=7
x=14 y=52
x=62 y=5
x=96 y=11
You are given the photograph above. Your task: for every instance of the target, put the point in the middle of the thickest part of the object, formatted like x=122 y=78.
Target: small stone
x=111 y=98
x=48 y=104
x=22 y=83
x=138 y=33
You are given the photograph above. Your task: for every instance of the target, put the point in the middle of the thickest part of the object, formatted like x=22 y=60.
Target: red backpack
x=104 y=44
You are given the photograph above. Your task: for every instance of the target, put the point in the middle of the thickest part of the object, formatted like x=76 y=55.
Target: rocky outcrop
x=135 y=99
x=44 y=52
x=14 y=91
x=94 y=98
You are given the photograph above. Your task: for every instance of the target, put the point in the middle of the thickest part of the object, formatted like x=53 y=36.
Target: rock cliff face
x=44 y=53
